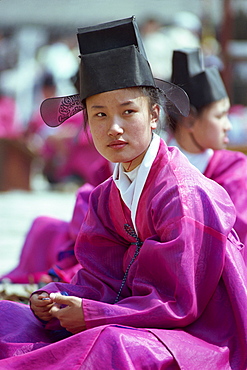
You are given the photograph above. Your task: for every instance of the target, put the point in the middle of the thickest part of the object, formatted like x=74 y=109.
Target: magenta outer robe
x=184 y=304
x=229 y=169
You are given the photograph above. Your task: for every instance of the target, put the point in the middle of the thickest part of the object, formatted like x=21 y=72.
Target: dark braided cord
x=130 y=231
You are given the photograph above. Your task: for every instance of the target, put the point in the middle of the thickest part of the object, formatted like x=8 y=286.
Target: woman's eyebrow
x=129 y=102
x=97 y=106
x=126 y=103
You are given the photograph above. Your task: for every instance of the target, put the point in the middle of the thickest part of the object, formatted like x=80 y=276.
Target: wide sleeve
x=100 y=250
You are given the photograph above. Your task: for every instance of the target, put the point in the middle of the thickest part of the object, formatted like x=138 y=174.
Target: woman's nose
x=115 y=127
x=228 y=125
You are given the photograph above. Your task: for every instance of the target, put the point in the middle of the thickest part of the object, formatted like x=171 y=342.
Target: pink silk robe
x=229 y=169
x=49 y=244
x=184 y=302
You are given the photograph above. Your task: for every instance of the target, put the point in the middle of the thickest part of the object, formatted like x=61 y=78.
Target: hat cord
x=130 y=231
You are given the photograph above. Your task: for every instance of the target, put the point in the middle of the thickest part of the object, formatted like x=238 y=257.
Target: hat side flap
x=55 y=111
x=175 y=95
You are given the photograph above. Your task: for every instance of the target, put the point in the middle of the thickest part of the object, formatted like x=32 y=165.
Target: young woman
x=203 y=135
x=163 y=281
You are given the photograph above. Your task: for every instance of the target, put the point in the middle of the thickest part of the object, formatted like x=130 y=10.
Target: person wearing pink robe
x=48 y=250
x=185 y=298
x=68 y=153
x=163 y=282
x=203 y=135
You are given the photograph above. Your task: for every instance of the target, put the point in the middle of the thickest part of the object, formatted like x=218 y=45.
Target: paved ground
x=19 y=208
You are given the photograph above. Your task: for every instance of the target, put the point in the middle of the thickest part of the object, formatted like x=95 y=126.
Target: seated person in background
x=68 y=153
x=202 y=136
x=48 y=251
x=162 y=283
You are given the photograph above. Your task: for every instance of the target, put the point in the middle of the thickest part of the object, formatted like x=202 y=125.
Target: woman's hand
x=41 y=304
x=68 y=310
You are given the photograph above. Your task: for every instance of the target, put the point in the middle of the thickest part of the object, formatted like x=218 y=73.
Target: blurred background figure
x=8 y=128
x=203 y=135
x=15 y=158
x=48 y=250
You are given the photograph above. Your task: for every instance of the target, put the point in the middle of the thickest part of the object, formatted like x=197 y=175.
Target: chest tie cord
x=130 y=231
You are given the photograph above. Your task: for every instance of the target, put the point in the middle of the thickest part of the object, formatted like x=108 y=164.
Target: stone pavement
x=17 y=211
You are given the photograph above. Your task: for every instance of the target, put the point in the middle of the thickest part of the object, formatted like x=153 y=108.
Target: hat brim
x=175 y=95
x=55 y=111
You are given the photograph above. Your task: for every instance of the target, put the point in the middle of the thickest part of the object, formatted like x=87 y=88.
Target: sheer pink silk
x=184 y=302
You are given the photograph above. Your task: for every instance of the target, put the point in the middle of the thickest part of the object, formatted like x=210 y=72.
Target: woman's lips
x=118 y=144
x=226 y=140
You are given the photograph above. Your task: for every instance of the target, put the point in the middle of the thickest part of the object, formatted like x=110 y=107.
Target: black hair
x=153 y=94
x=155 y=97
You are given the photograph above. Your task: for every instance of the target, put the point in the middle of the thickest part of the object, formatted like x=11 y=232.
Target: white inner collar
x=130 y=184
x=199 y=160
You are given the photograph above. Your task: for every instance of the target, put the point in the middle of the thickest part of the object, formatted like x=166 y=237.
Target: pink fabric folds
x=184 y=302
x=229 y=169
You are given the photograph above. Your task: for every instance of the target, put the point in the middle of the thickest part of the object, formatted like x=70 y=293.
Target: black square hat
x=112 y=57
x=203 y=85
x=110 y=35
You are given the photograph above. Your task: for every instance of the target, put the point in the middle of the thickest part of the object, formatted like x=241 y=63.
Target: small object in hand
x=64 y=293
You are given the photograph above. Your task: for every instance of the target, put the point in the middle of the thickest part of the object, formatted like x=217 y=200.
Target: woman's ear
x=155 y=113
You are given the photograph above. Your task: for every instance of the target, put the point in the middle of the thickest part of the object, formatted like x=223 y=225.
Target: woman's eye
x=100 y=114
x=128 y=111
x=221 y=115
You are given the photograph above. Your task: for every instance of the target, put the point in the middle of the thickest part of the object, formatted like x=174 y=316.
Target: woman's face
x=121 y=125
x=211 y=127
